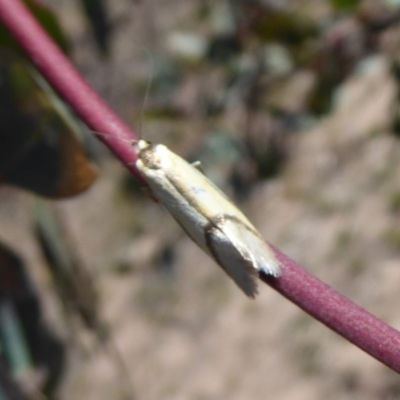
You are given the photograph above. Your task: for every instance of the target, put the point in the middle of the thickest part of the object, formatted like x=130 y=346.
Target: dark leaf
x=222 y=48
x=24 y=336
x=97 y=15
x=13 y=280
x=38 y=150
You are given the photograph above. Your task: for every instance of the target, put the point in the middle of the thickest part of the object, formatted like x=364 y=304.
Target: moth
x=208 y=217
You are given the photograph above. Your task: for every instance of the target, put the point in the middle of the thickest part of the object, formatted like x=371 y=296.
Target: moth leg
x=197 y=165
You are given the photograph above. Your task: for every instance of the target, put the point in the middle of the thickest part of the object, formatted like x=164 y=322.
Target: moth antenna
x=149 y=82
x=148 y=87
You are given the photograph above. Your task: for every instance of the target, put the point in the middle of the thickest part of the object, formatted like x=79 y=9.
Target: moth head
x=148 y=154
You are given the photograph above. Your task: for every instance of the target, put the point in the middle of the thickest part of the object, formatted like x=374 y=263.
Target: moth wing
x=230 y=258
x=242 y=253
x=253 y=247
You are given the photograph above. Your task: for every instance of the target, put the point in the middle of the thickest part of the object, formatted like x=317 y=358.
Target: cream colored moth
x=209 y=218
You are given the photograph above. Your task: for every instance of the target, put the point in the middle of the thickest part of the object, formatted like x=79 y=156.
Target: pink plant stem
x=338 y=313
x=309 y=293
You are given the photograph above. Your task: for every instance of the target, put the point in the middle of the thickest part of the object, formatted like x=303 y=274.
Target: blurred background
x=292 y=108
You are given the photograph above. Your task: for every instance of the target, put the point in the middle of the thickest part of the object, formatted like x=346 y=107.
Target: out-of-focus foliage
x=47 y=19
x=27 y=343
x=41 y=151
x=74 y=284
x=279 y=66
x=98 y=17
x=38 y=152
x=345 y=5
